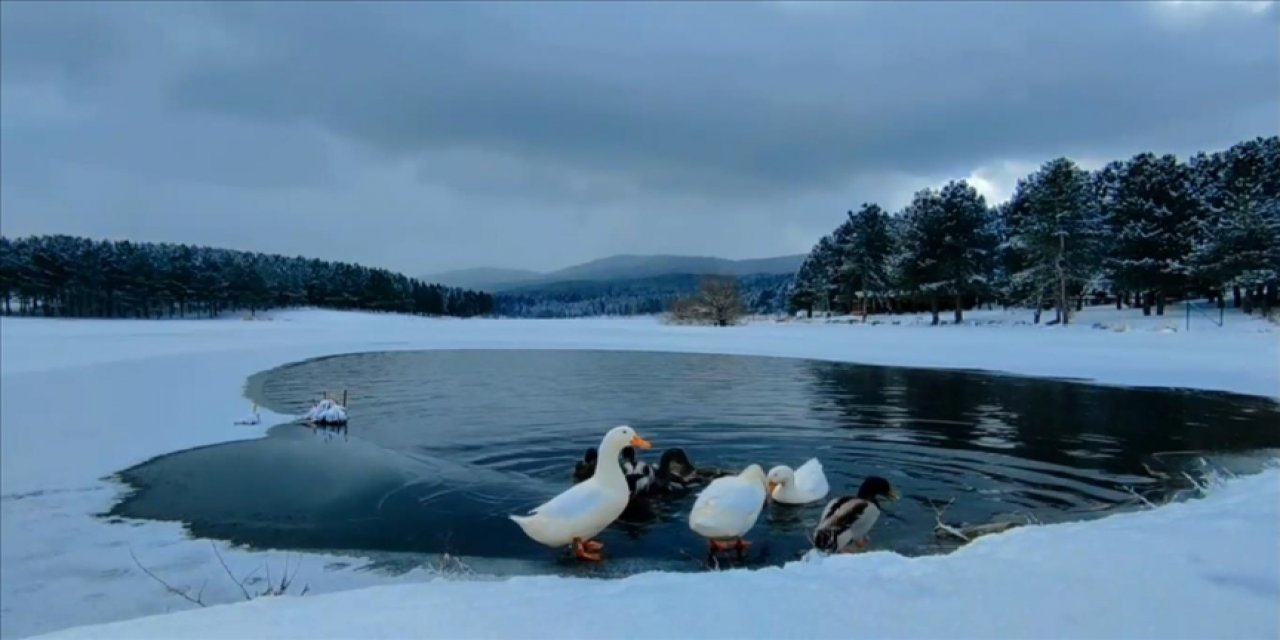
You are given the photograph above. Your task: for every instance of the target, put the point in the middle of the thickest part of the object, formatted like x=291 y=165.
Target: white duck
x=585 y=509
x=802 y=486
x=727 y=509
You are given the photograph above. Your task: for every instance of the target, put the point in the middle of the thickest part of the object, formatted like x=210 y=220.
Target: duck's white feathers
x=809 y=484
x=582 y=511
x=586 y=508
x=729 y=506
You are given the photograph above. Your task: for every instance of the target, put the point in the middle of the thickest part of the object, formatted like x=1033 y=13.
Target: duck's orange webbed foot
x=718 y=546
x=583 y=552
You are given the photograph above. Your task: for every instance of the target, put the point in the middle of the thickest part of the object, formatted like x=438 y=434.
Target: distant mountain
x=631 y=267
x=761 y=293
x=483 y=278
x=621 y=267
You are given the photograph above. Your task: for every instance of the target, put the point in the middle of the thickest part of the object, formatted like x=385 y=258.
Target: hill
x=627 y=267
x=483 y=277
x=761 y=293
x=619 y=267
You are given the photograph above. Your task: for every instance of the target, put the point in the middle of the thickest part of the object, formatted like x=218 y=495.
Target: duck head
x=780 y=475
x=619 y=438
x=876 y=487
x=674 y=462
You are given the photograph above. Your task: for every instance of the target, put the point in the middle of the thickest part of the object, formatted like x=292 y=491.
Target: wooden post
x=344 y=397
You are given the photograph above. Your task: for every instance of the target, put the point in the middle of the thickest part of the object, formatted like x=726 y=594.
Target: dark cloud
x=582 y=128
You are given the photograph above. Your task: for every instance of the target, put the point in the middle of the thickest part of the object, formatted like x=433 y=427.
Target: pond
x=443 y=445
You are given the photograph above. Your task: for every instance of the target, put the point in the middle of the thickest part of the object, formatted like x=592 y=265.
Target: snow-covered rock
x=326 y=412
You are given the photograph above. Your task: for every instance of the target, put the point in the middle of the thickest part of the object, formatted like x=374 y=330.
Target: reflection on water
x=442 y=445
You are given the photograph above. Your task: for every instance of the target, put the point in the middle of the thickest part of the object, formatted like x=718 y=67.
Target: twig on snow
x=1140 y=497
x=198 y=600
x=1201 y=487
x=239 y=583
x=942 y=527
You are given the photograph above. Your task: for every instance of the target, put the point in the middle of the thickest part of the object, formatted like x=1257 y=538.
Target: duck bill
x=640 y=443
x=893 y=495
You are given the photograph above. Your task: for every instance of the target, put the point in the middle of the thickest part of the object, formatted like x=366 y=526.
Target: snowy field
x=83 y=399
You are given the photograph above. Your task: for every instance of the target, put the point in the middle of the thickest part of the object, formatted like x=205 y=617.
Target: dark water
x=442 y=445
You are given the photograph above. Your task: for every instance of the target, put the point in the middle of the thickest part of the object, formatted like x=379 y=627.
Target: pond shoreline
x=183 y=382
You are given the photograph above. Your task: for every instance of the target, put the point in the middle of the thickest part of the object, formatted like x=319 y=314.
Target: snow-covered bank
x=1202 y=569
x=83 y=399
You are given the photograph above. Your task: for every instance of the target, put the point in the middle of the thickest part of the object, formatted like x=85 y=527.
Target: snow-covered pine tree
x=1055 y=232
x=827 y=264
x=77 y=277
x=810 y=282
x=1104 y=191
x=1238 y=244
x=841 y=273
x=868 y=252
x=968 y=243
x=1152 y=219
x=920 y=265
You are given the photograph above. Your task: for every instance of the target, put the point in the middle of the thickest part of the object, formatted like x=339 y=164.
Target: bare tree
x=722 y=299
x=717 y=302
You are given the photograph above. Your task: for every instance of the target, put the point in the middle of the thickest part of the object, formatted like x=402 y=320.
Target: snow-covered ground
x=83 y=399
x=1205 y=569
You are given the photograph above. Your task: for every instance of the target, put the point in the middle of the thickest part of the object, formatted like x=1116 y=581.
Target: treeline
x=1137 y=232
x=67 y=276
x=762 y=293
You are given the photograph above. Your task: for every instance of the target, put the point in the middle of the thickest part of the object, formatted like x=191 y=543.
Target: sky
x=430 y=136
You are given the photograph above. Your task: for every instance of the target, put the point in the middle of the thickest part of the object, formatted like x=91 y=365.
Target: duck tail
x=825 y=540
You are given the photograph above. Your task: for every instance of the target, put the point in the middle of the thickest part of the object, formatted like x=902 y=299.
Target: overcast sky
x=430 y=136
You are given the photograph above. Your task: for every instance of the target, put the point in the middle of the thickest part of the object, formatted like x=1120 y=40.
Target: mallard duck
x=802 y=486
x=580 y=512
x=640 y=507
x=846 y=520
x=585 y=467
x=728 y=508
x=673 y=475
x=645 y=475
x=676 y=473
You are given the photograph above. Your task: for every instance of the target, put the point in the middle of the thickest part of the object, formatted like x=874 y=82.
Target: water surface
x=442 y=445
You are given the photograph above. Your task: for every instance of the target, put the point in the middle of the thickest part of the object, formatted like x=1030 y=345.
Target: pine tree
x=1104 y=191
x=1055 y=231
x=868 y=252
x=923 y=249
x=840 y=272
x=808 y=283
x=76 y=277
x=1152 y=218
x=1239 y=241
x=968 y=243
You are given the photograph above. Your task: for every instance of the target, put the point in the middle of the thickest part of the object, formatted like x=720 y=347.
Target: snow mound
x=1206 y=568
x=326 y=412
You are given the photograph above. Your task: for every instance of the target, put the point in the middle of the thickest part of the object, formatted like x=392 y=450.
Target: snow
x=83 y=399
x=326 y=412
x=1202 y=569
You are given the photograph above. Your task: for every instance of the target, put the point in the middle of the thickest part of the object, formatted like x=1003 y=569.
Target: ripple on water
x=442 y=445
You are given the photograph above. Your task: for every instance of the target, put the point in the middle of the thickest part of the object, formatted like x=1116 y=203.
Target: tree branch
x=239 y=583
x=170 y=588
